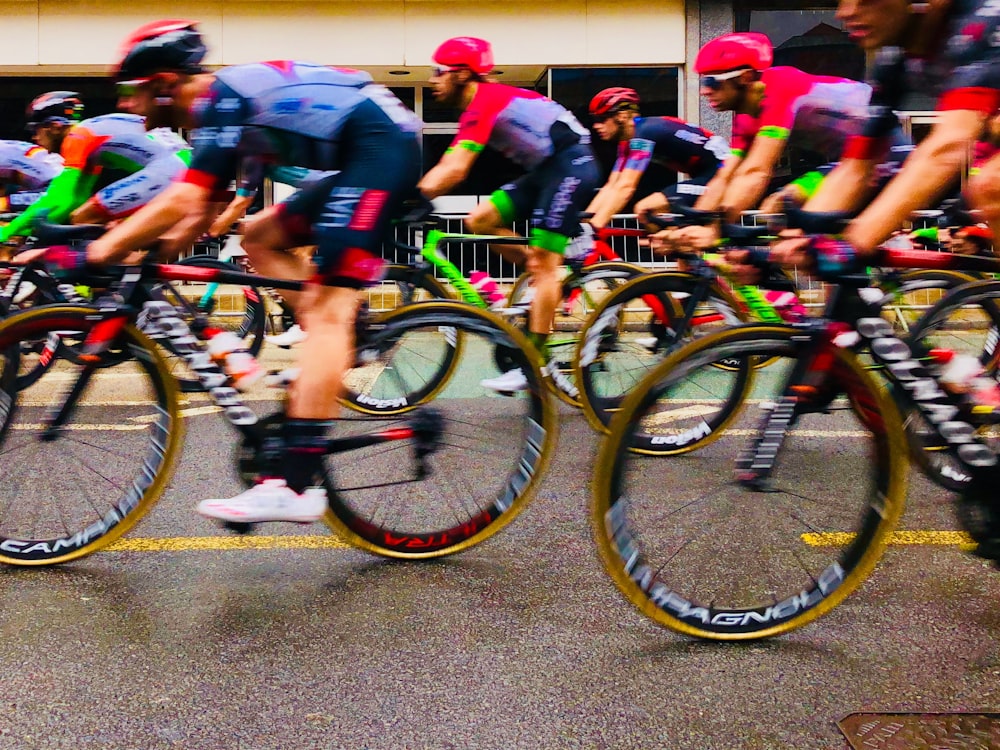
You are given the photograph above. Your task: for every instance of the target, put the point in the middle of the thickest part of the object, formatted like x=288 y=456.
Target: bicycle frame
x=435 y=241
x=902 y=364
x=160 y=320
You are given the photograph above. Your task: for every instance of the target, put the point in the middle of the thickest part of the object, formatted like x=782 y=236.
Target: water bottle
x=488 y=289
x=229 y=351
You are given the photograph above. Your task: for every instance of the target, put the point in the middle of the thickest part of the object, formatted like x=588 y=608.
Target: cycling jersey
x=522 y=125
x=547 y=140
x=307 y=115
x=673 y=144
x=25 y=170
x=120 y=144
x=813 y=113
x=962 y=71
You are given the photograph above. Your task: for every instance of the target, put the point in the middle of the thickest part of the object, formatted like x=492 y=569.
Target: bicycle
x=776 y=518
x=586 y=282
x=627 y=337
x=107 y=431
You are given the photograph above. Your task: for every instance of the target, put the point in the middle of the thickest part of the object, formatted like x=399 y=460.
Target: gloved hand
x=834 y=258
x=65 y=263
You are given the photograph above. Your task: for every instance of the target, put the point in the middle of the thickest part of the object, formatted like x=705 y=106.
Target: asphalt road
x=522 y=642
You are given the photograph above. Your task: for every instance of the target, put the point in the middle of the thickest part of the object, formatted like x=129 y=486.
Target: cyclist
x=288 y=113
x=777 y=110
x=25 y=171
x=947 y=49
x=667 y=141
x=144 y=163
x=537 y=134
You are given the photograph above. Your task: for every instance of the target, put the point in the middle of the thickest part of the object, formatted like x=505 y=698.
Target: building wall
x=81 y=36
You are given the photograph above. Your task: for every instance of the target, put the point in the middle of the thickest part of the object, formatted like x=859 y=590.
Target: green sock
x=538 y=341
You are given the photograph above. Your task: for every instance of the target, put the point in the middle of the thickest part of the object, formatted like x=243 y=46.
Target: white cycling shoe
x=291 y=337
x=271 y=500
x=507 y=382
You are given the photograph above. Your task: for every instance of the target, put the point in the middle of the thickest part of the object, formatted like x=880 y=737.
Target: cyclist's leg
x=366 y=196
x=556 y=192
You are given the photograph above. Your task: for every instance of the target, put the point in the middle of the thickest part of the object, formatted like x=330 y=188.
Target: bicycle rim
x=71 y=492
x=493 y=451
x=701 y=554
x=625 y=338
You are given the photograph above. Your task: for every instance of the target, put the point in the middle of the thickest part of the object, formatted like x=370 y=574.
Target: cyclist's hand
x=653 y=203
x=738 y=266
x=791 y=249
x=65 y=263
x=684 y=238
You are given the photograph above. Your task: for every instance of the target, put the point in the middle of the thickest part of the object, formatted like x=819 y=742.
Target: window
x=809 y=37
x=658 y=89
x=98 y=96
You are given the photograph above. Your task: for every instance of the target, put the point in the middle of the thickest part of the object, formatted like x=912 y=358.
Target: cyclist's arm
x=751 y=176
x=931 y=169
x=711 y=199
x=614 y=196
x=232 y=213
x=182 y=201
x=845 y=188
x=444 y=176
x=65 y=193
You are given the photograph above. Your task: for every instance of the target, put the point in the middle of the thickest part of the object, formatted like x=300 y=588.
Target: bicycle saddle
x=47 y=233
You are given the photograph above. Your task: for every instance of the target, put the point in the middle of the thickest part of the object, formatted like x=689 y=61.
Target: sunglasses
x=130 y=88
x=439 y=71
x=715 y=80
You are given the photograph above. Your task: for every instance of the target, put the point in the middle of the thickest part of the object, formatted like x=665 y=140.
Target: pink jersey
x=813 y=113
x=518 y=123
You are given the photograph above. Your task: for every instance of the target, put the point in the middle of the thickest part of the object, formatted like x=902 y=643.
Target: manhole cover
x=917 y=731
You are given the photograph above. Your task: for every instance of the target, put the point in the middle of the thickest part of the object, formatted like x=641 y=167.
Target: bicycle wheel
x=700 y=553
x=230 y=307
x=70 y=491
x=489 y=460
x=626 y=338
x=914 y=292
x=964 y=320
x=582 y=293
x=404 y=285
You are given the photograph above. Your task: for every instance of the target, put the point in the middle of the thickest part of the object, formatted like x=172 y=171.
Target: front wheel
x=487 y=462
x=71 y=490
x=713 y=557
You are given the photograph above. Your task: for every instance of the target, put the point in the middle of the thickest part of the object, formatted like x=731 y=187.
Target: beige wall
x=66 y=36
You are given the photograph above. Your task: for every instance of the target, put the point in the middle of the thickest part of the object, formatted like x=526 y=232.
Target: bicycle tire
x=611 y=358
x=105 y=468
x=489 y=462
x=404 y=285
x=579 y=298
x=712 y=559
x=975 y=305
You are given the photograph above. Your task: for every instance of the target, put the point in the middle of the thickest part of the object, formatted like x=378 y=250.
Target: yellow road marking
x=222 y=543
x=842 y=538
x=236 y=542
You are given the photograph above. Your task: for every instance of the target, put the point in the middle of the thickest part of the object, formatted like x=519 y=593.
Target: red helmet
x=174 y=45
x=733 y=51
x=465 y=52
x=611 y=100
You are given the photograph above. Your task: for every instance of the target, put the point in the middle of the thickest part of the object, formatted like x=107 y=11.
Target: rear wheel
x=635 y=328
x=582 y=293
x=489 y=460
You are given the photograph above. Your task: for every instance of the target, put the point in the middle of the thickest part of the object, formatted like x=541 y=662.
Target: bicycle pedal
x=237 y=527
